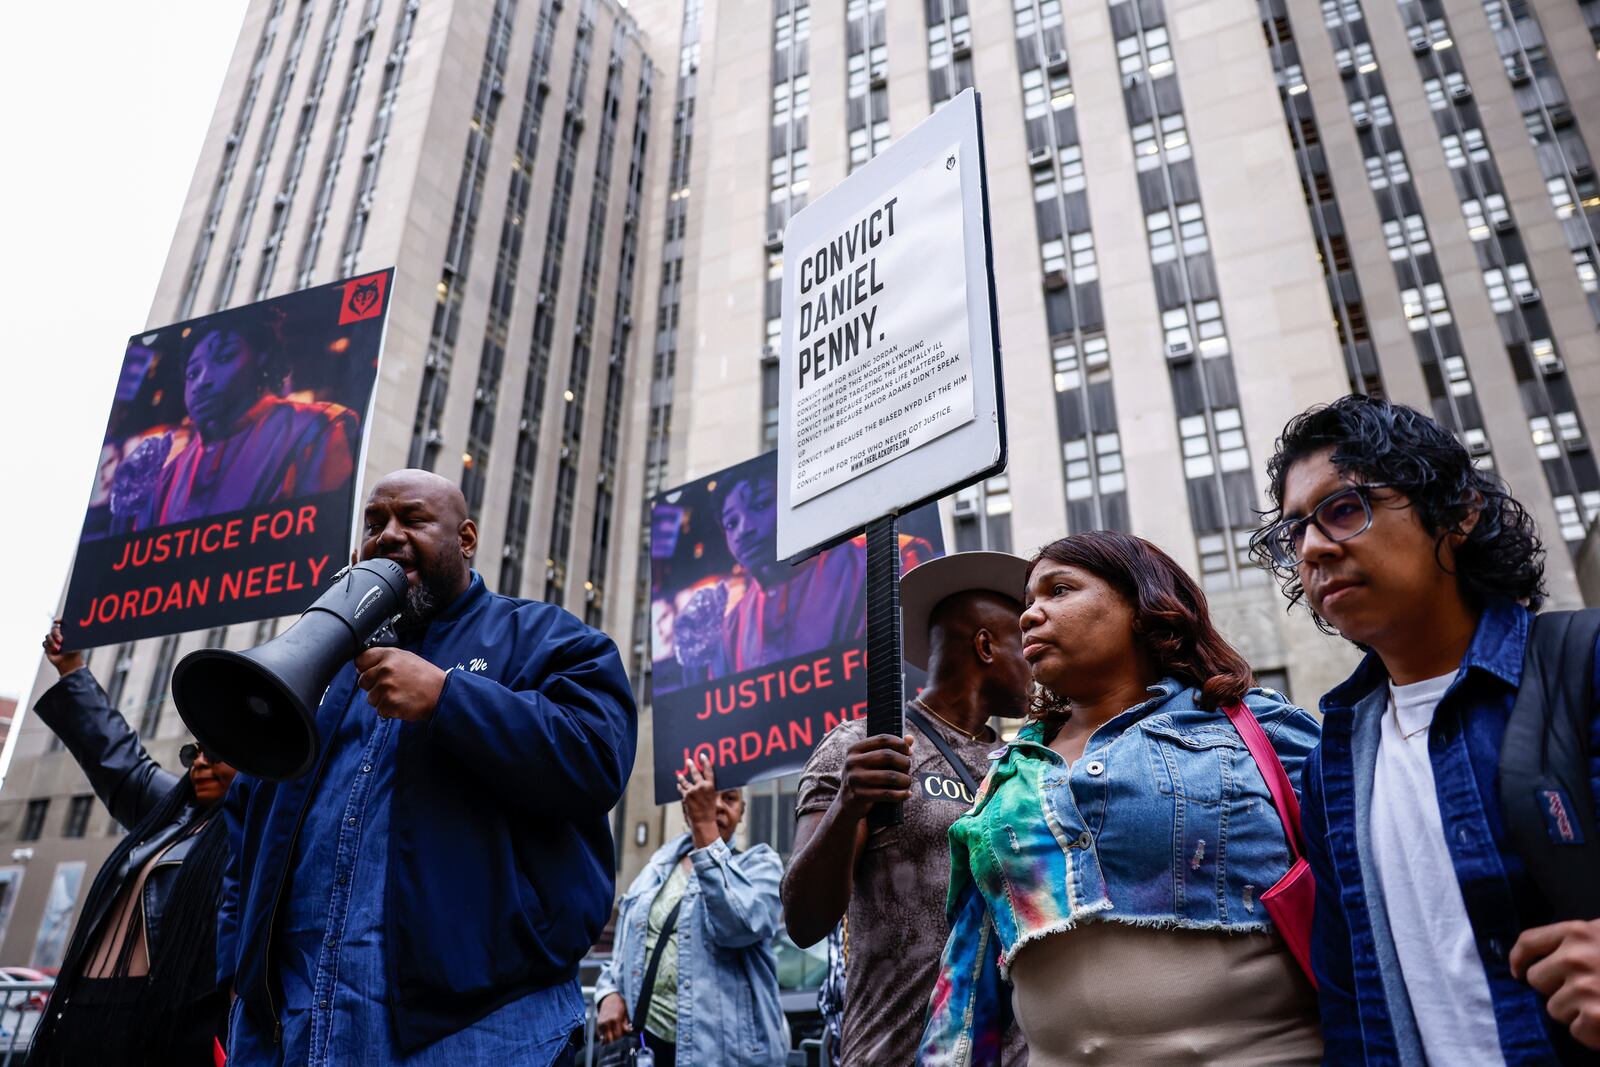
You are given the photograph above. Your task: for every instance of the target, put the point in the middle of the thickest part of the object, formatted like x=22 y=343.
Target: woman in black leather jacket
x=138 y=984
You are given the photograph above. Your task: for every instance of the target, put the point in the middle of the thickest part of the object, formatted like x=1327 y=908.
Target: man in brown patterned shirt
x=960 y=623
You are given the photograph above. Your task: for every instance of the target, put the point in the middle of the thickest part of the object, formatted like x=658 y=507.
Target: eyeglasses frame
x=1363 y=490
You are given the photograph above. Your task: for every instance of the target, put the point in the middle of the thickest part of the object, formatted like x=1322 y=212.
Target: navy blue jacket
x=500 y=854
x=1366 y=1014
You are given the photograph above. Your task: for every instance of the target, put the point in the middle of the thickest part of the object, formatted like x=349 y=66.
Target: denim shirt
x=728 y=1009
x=1366 y=1015
x=332 y=960
x=1164 y=822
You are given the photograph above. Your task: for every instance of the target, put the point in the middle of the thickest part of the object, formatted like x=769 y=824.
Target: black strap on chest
x=921 y=722
x=1545 y=793
x=649 y=987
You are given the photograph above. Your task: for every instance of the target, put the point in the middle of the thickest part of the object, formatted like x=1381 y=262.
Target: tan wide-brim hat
x=922 y=588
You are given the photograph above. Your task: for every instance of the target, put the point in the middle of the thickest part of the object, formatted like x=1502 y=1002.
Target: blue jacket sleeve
x=233 y=809
x=739 y=893
x=1330 y=933
x=561 y=746
x=969 y=1012
x=120 y=771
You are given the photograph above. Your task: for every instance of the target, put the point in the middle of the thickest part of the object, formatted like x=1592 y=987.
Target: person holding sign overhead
x=960 y=618
x=698 y=924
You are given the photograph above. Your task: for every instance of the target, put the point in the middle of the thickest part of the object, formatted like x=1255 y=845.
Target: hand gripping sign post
x=890 y=368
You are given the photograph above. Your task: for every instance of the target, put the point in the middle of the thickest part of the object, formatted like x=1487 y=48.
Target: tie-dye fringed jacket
x=1163 y=822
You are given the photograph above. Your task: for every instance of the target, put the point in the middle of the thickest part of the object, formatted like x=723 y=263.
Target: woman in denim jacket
x=715 y=1002
x=1106 y=885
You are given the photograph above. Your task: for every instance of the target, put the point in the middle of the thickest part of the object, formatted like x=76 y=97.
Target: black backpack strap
x=653 y=966
x=944 y=748
x=1545 y=793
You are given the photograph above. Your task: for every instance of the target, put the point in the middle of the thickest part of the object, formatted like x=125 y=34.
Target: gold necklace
x=918 y=703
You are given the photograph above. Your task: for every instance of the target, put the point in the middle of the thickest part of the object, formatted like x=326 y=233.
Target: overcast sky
x=103 y=108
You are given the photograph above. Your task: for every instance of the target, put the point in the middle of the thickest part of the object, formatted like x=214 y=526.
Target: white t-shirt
x=1438 y=955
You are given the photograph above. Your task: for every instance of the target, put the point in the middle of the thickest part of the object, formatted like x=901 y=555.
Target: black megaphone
x=257 y=710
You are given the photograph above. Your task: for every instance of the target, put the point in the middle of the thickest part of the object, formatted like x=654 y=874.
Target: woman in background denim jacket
x=1106 y=885
x=716 y=998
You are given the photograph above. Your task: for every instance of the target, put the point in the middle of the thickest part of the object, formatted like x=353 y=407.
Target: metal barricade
x=21 y=1008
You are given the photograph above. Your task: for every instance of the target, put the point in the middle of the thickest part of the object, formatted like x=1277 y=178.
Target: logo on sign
x=363 y=298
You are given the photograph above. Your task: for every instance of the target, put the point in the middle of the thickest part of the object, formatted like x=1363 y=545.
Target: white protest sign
x=889 y=388
x=881 y=374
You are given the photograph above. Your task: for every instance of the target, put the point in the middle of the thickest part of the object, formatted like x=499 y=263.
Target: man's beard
x=420 y=605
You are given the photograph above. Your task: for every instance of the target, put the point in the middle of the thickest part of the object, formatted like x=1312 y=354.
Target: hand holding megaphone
x=257 y=709
x=400 y=684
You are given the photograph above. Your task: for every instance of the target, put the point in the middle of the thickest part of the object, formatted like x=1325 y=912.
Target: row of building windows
x=1200 y=368
x=230 y=159
x=1508 y=278
x=542 y=344
x=789 y=169
x=1418 y=280
x=575 y=396
x=617 y=364
x=300 y=146
x=664 y=350
x=427 y=437
x=1080 y=353
x=251 y=196
x=338 y=138
x=504 y=290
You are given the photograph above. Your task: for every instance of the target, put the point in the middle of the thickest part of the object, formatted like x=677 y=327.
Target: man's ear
x=1471 y=513
x=468 y=532
x=983 y=646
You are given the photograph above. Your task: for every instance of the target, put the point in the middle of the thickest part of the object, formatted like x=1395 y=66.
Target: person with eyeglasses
x=1433 y=940
x=138 y=983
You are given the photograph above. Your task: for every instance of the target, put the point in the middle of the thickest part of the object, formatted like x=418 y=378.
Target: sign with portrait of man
x=754 y=660
x=225 y=489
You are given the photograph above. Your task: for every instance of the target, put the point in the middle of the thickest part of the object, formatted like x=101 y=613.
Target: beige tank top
x=1108 y=993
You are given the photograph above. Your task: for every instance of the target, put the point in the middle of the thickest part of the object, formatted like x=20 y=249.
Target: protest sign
x=226 y=483
x=753 y=660
x=889 y=391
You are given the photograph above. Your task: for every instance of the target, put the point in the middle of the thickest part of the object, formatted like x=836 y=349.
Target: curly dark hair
x=1400 y=447
x=1170 y=617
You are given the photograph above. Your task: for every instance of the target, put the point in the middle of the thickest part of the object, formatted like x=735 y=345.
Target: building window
x=1455 y=374
x=1481 y=215
x=1504 y=284
x=1357 y=57
x=1467 y=147
x=1440 y=90
x=1070 y=369
x=78 y=815
x=1387 y=169
x=1336 y=13
x=1406 y=237
x=1156 y=55
x=1105 y=475
x=1373 y=111
x=1583 y=260
x=33 y=819
x=1150 y=139
x=1425 y=305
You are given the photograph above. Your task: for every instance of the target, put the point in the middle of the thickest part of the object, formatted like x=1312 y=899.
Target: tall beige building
x=494 y=152
x=1206 y=217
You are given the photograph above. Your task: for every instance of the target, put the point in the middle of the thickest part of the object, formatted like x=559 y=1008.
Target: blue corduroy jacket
x=500 y=853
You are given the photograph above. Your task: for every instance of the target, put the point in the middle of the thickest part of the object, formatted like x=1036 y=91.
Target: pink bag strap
x=1271 y=768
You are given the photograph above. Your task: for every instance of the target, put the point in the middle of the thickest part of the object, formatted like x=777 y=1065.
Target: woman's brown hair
x=1170 y=617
